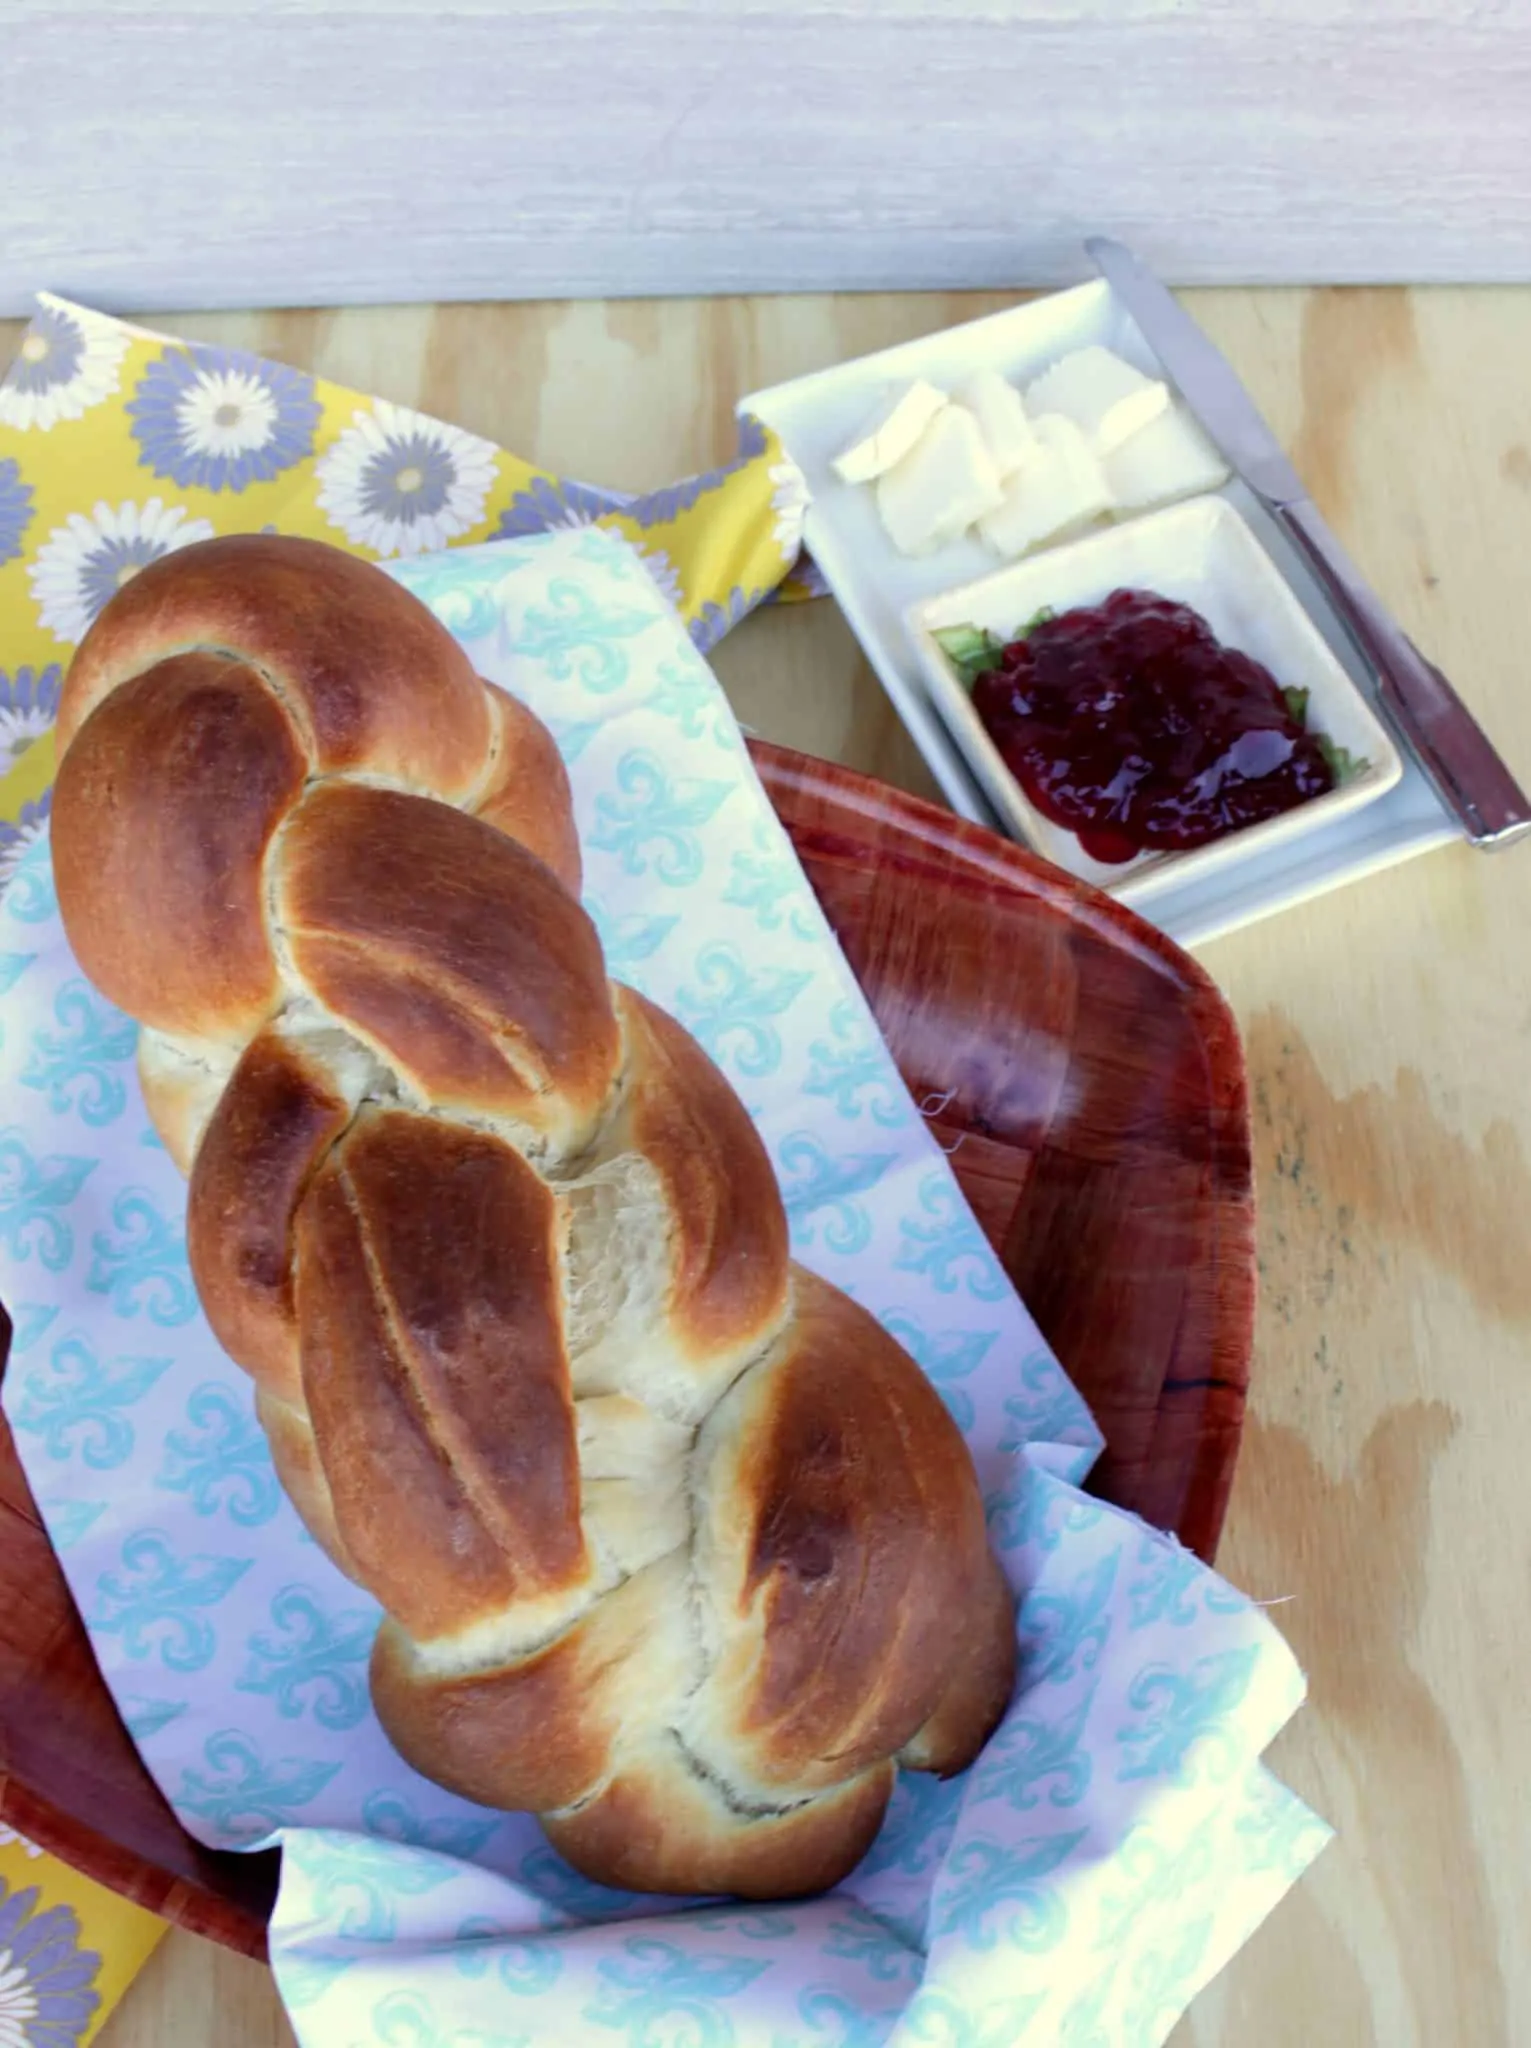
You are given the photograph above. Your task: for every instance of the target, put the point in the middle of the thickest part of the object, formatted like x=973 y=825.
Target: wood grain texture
x=195 y=1994
x=231 y=154
x=1381 y=1487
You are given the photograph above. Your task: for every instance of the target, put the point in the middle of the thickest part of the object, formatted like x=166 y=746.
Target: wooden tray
x=1088 y=1081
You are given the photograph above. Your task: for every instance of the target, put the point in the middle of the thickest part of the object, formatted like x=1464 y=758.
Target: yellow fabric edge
x=123 y=1935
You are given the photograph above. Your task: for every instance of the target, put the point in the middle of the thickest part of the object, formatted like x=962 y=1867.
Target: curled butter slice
x=1170 y=458
x=996 y=405
x=1061 y=491
x=890 y=433
x=945 y=483
x=1105 y=396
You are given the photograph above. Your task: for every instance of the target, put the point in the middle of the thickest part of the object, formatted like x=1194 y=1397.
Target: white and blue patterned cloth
x=1119 y=1837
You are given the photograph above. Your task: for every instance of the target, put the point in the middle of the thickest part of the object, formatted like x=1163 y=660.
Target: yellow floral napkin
x=118 y=445
x=68 y=1949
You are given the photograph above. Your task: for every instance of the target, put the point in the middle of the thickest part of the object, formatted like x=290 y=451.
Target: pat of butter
x=1130 y=415
x=890 y=433
x=1170 y=458
x=996 y=405
x=1061 y=491
x=1100 y=393
x=945 y=482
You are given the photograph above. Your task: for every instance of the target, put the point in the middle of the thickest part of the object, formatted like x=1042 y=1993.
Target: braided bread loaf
x=677 y=1548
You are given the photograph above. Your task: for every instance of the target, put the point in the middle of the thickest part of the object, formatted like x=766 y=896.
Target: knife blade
x=1451 y=747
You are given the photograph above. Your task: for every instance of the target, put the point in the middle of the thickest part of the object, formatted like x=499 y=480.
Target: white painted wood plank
x=223 y=155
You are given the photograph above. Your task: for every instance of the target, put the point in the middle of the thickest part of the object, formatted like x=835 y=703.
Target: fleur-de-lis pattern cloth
x=1117 y=1839
x=118 y=445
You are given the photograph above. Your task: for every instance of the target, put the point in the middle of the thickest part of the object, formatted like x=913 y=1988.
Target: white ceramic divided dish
x=1198 y=553
x=817 y=414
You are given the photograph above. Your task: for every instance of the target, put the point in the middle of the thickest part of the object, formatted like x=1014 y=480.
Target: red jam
x=1133 y=726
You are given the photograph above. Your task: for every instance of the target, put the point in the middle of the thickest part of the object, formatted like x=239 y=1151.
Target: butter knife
x=1451 y=747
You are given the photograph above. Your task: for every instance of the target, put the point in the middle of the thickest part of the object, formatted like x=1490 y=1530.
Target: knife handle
x=1452 y=748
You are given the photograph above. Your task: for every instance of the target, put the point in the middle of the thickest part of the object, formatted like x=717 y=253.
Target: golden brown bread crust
x=979 y=1673
x=676 y=1546
x=430 y=1330
x=275 y=1121
x=527 y=795
x=163 y=810
x=839 y=1538
x=365 y=676
x=661 y=1827
x=454 y=952
x=181 y=1089
x=731 y=1268
x=373 y=679
x=705 y=1273
x=540 y=1730
x=817 y=1639
x=295 y=1456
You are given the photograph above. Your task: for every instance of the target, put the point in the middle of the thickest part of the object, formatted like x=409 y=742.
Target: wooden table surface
x=1382 y=1489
